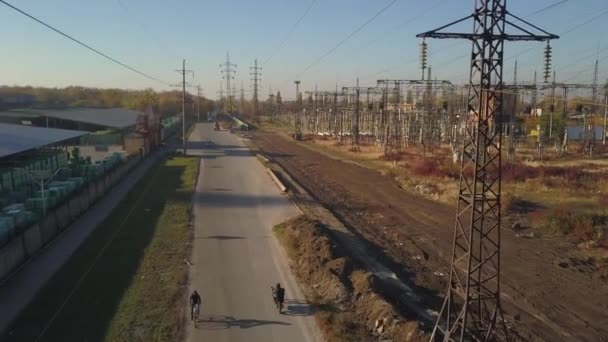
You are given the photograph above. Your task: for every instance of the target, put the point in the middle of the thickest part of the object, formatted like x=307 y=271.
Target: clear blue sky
x=154 y=36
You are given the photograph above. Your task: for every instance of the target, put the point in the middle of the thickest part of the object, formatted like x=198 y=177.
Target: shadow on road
x=223 y=237
x=220 y=322
x=224 y=199
x=297 y=307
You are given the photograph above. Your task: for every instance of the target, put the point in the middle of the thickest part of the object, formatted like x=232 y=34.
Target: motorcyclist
x=195 y=299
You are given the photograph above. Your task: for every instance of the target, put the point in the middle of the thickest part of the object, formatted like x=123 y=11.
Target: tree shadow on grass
x=82 y=298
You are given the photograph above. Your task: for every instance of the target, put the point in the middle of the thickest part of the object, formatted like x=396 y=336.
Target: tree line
x=164 y=102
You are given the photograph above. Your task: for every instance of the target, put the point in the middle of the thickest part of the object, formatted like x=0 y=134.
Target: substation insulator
x=548 y=56
x=423 y=54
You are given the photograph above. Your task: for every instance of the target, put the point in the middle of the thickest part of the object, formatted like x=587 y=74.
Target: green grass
x=126 y=282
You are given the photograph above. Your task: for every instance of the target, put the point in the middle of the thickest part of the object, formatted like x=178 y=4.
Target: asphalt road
x=235 y=256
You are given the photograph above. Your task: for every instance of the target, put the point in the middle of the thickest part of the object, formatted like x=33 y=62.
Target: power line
x=586 y=22
x=288 y=35
x=570 y=30
x=565 y=32
x=452 y=60
x=84 y=44
x=347 y=37
x=583 y=71
x=546 y=8
x=404 y=24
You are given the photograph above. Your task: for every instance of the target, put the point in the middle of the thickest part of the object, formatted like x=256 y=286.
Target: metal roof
x=17 y=138
x=111 y=117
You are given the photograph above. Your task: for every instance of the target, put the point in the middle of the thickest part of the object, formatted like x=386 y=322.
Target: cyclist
x=279 y=295
x=195 y=303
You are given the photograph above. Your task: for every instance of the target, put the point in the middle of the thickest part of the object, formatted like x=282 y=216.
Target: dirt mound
x=350 y=305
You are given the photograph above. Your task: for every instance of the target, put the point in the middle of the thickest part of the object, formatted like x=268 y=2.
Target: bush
x=582 y=227
x=426 y=167
x=518 y=172
x=392 y=156
x=433 y=168
x=560 y=220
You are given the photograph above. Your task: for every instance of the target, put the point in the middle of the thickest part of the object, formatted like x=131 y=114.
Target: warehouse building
x=111 y=129
x=26 y=155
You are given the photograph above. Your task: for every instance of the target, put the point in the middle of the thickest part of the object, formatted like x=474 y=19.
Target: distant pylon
x=256 y=75
x=228 y=71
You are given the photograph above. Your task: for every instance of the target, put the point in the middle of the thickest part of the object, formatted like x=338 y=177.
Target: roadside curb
x=263 y=157
x=276 y=180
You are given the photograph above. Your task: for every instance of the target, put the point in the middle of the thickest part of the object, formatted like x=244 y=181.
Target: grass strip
x=126 y=281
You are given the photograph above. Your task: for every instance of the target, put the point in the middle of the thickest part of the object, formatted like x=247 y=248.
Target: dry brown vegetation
x=551 y=288
x=536 y=194
x=347 y=300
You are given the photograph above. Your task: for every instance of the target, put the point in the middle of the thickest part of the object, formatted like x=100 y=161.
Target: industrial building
x=27 y=156
x=111 y=129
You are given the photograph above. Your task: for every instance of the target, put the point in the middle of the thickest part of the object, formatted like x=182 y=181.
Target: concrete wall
x=101 y=187
x=74 y=207
x=11 y=256
x=30 y=241
x=48 y=228
x=62 y=213
x=93 y=192
x=84 y=198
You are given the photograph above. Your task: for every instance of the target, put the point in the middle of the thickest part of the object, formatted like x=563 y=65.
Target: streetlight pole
x=41 y=175
x=297 y=123
x=605 y=113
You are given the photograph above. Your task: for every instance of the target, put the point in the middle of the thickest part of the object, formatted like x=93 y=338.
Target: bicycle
x=279 y=304
x=195 y=313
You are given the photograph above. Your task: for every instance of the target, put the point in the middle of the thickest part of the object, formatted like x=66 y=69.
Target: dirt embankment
x=350 y=306
x=550 y=291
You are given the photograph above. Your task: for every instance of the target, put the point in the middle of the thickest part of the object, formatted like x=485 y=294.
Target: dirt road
x=549 y=293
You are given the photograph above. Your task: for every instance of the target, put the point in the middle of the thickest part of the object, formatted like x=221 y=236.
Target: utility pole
x=512 y=114
x=183 y=71
x=198 y=102
x=534 y=95
x=335 y=111
x=605 y=114
x=228 y=72
x=595 y=88
x=270 y=112
x=472 y=308
x=552 y=106
x=355 y=145
x=257 y=77
x=242 y=99
x=297 y=123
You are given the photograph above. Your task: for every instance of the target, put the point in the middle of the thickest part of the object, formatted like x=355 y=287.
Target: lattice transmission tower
x=472 y=308
x=256 y=77
x=228 y=71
